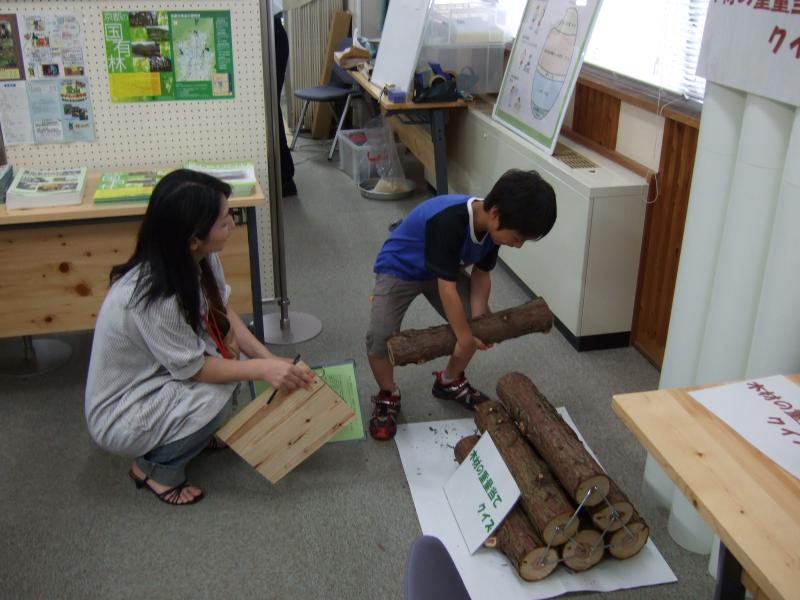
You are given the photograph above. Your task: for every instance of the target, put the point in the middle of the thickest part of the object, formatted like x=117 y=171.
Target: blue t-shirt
x=436 y=239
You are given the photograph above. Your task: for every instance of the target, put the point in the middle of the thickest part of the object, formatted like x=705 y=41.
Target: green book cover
x=240 y=175
x=128 y=186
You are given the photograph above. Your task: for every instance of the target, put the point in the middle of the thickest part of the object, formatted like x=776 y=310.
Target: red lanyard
x=215 y=333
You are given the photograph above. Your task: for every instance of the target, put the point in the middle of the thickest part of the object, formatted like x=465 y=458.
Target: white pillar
x=775 y=348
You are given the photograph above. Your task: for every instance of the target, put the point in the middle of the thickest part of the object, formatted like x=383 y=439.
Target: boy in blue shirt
x=427 y=254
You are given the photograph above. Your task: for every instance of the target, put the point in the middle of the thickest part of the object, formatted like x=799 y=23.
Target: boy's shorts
x=391 y=298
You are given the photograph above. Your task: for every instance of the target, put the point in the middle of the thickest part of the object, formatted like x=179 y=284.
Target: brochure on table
x=543 y=68
x=765 y=412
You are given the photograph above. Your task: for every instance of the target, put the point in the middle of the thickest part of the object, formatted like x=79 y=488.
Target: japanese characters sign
x=754 y=46
x=765 y=412
x=481 y=492
x=160 y=55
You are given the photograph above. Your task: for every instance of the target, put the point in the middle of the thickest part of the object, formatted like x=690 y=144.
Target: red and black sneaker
x=458 y=390
x=383 y=424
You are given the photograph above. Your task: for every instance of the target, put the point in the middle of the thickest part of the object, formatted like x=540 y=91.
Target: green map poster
x=162 y=55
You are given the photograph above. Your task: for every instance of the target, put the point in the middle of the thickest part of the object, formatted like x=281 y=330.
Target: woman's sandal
x=171 y=496
x=216 y=444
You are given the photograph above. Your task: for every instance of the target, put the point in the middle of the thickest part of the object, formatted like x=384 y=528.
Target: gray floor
x=73 y=526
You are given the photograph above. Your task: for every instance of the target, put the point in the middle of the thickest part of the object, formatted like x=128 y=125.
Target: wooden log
x=547 y=506
x=628 y=540
x=584 y=550
x=421 y=345
x=615 y=510
x=515 y=537
x=553 y=439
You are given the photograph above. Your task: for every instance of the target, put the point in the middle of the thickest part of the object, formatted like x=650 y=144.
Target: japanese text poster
x=161 y=55
x=52 y=45
x=11 y=63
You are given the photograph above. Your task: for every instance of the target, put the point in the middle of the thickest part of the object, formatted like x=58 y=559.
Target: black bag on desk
x=440 y=90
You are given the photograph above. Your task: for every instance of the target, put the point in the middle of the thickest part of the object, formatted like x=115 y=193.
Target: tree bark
x=628 y=540
x=545 y=503
x=421 y=345
x=515 y=537
x=614 y=512
x=553 y=439
x=584 y=550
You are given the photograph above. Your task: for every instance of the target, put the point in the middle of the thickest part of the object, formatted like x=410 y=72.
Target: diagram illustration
x=554 y=62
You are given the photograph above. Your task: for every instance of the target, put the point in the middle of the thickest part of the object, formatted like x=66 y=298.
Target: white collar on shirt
x=472 y=223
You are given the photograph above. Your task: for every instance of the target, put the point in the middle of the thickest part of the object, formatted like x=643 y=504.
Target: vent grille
x=571 y=158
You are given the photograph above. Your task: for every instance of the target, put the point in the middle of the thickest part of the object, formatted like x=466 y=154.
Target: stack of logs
x=569 y=511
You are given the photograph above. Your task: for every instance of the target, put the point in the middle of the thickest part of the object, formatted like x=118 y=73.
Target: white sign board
x=400 y=43
x=754 y=47
x=481 y=492
x=543 y=67
x=765 y=412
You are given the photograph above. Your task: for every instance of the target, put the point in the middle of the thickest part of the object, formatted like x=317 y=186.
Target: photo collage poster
x=44 y=91
x=543 y=68
x=164 y=55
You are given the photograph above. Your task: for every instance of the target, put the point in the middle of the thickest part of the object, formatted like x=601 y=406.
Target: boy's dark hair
x=525 y=203
x=184 y=205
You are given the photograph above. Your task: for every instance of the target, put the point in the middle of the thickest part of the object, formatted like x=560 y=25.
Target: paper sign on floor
x=481 y=492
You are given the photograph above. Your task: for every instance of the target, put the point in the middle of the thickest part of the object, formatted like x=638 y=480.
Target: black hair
x=525 y=203
x=184 y=205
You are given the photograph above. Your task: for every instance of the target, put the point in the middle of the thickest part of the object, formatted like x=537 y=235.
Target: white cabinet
x=586 y=268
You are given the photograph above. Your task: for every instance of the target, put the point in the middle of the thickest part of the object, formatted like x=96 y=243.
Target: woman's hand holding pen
x=284 y=375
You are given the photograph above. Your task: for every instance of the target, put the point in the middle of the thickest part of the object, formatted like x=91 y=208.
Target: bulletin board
x=146 y=134
x=543 y=68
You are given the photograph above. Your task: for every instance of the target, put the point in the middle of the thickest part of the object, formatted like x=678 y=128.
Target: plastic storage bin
x=354 y=155
x=465 y=39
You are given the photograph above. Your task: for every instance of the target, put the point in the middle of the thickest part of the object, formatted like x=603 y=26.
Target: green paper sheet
x=341 y=376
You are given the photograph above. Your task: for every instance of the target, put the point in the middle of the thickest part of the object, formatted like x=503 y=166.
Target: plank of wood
x=54 y=279
x=417 y=138
x=274 y=438
x=745 y=497
x=340 y=27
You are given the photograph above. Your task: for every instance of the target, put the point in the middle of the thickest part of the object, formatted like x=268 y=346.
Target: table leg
x=729 y=576
x=437 y=117
x=255 y=273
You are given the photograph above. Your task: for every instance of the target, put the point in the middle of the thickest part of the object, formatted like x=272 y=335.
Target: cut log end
x=584 y=550
x=597 y=485
x=557 y=531
x=629 y=540
x=491 y=542
x=612 y=518
x=538 y=564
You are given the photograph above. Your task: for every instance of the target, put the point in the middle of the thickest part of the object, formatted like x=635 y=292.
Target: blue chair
x=341 y=85
x=431 y=573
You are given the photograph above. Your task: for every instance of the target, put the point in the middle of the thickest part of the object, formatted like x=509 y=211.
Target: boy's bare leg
x=458 y=361
x=383 y=371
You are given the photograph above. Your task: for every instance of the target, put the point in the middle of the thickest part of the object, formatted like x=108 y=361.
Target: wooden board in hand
x=275 y=438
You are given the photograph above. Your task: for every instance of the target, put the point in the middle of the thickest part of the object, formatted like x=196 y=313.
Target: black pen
x=275 y=391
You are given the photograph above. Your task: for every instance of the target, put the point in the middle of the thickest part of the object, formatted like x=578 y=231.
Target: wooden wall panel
x=596 y=115
x=661 y=248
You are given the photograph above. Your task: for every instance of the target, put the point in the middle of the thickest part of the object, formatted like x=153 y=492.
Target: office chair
x=431 y=573
x=341 y=85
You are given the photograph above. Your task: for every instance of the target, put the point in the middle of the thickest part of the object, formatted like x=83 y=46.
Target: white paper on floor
x=426 y=451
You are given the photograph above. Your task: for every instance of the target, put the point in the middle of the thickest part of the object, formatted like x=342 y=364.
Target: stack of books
x=240 y=175
x=39 y=188
x=126 y=186
x=6 y=176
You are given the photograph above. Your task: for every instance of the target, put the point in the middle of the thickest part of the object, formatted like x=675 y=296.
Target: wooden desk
x=412 y=113
x=54 y=262
x=752 y=504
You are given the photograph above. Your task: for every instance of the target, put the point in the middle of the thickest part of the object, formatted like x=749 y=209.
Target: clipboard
x=275 y=438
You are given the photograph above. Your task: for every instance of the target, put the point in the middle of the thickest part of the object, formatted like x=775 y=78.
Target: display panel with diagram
x=543 y=67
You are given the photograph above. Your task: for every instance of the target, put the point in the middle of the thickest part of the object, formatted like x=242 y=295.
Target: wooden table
x=751 y=503
x=54 y=262
x=432 y=113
